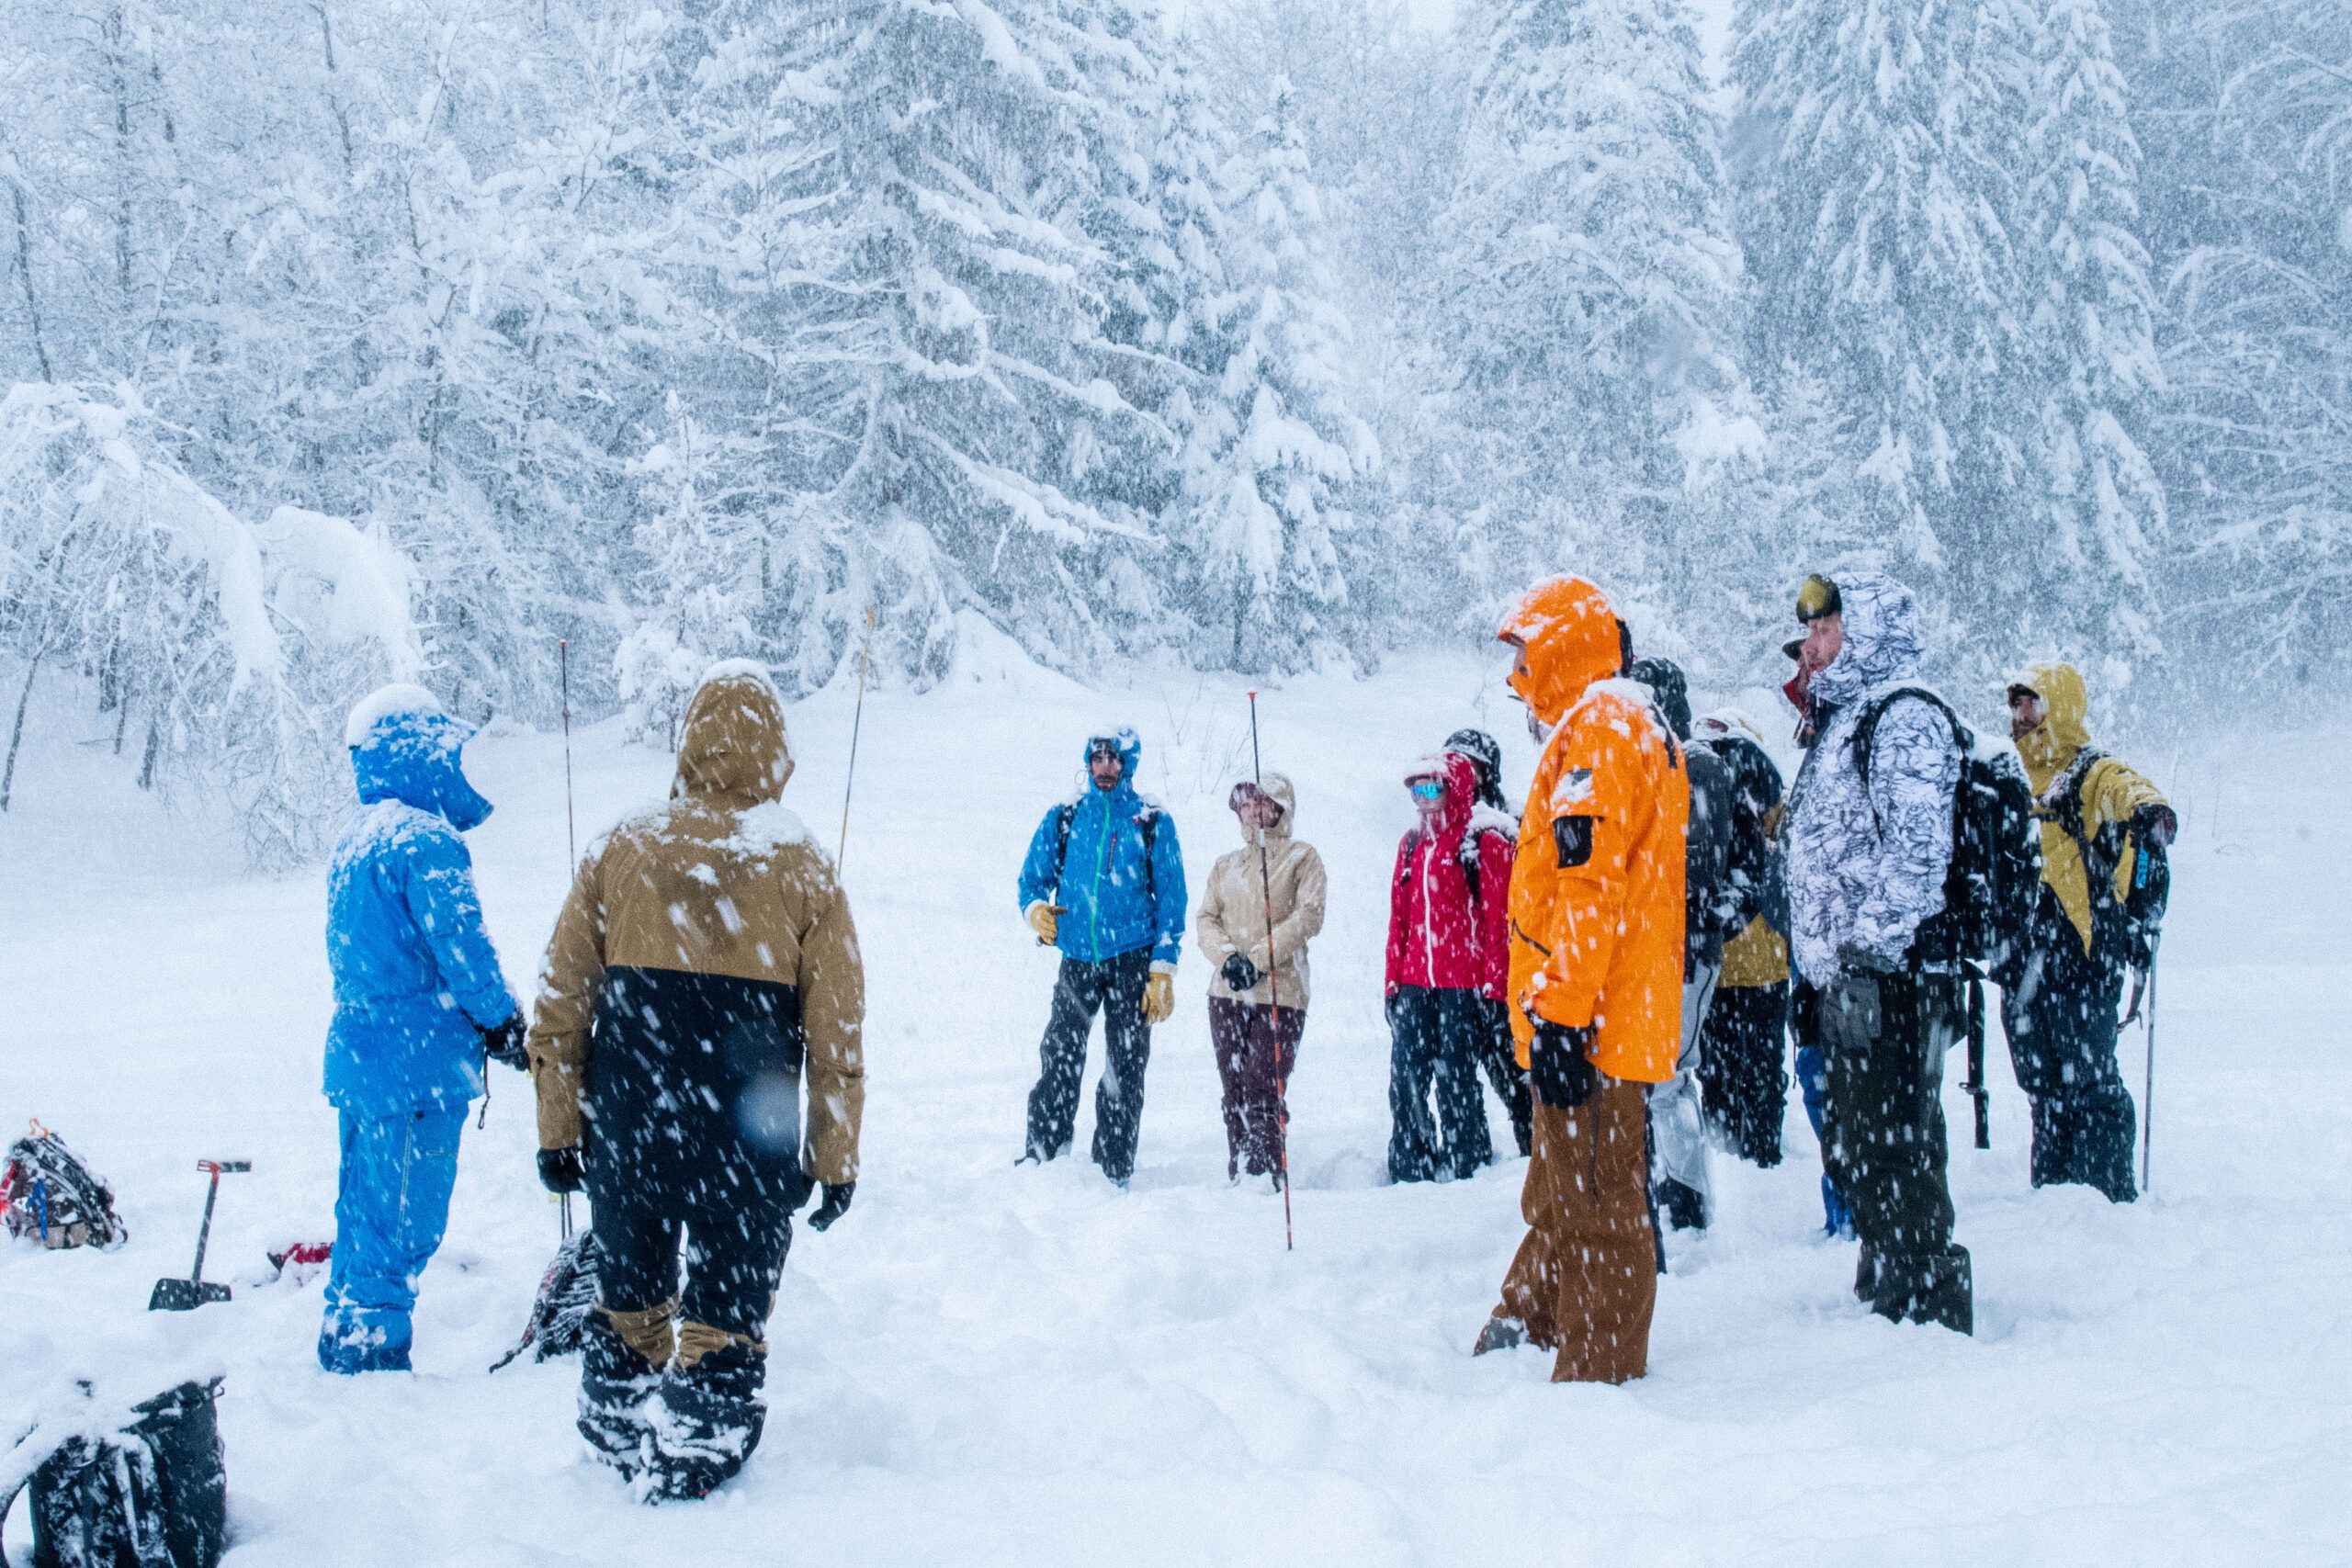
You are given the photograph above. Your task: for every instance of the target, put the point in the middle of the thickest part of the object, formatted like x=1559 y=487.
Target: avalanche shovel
x=187 y=1295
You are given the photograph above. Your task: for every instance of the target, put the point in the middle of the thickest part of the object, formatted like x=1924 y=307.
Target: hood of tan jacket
x=1231 y=916
x=733 y=751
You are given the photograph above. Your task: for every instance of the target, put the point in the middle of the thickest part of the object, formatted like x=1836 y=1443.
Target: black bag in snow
x=1995 y=872
x=51 y=1196
x=567 y=1295
x=152 y=1493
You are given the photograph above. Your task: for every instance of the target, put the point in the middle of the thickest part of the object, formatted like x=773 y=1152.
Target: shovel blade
x=185 y=1296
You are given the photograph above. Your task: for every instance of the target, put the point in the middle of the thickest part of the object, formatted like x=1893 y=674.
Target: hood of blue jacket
x=415 y=755
x=1130 y=747
x=1881 y=623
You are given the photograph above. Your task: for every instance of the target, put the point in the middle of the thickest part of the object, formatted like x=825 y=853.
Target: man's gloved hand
x=1046 y=920
x=835 y=1204
x=1853 y=958
x=2155 y=826
x=563 y=1170
x=1559 y=1064
x=1240 y=975
x=504 y=1043
x=1159 y=996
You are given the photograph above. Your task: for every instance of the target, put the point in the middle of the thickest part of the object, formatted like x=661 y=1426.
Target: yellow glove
x=1158 y=997
x=1045 y=920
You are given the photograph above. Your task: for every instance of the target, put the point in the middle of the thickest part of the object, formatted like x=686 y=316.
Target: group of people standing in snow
x=1622 y=962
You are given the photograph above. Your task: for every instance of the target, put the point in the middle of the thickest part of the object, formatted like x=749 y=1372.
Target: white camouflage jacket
x=1867 y=865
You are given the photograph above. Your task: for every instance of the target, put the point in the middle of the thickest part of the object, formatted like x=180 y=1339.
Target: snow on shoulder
x=383 y=702
x=741 y=670
x=770 y=826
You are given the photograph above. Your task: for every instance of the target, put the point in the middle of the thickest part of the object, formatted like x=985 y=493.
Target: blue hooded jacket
x=414 y=973
x=1113 y=906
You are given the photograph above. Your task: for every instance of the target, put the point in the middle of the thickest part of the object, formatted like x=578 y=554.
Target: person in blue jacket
x=1104 y=883
x=419 y=1002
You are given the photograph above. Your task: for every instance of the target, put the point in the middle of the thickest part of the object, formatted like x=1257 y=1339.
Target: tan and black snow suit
x=704 y=971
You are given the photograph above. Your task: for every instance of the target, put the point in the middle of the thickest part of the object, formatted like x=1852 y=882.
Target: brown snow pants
x=1584 y=1280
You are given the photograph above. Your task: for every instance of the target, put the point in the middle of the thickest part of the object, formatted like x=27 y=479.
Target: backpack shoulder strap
x=1866 y=728
x=1149 y=821
x=1062 y=816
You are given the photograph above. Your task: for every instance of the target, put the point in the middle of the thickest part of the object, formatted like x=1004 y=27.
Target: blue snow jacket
x=414 y=973
x=1115 y=901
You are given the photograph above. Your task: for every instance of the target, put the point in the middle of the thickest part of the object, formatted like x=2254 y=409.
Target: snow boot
x=1681 y=1205
x=1917 y=1286
x=705 y=1420
x=617 y=1379
x=1500 y=1334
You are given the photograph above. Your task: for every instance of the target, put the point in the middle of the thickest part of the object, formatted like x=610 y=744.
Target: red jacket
x=1435 y=937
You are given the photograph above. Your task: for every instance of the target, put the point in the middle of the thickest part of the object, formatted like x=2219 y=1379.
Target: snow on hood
x=1881 y=621
x=1277 y=787
x=406 y=747
x=733 y=747
x=1130 y=747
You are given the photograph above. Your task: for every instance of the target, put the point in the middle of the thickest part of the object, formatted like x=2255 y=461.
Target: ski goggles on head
x=1427 y=789
x=1245 y=796
x=1817 y=598
x=1102 y=749
x=2021 y=693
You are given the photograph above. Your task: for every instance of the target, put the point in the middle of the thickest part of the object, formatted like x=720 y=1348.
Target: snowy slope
x=985 y=1365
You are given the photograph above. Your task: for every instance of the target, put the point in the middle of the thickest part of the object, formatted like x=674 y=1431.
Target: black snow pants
x=1743 y=1069
x=1113 y=988
x=692 y=1099
x=2061 y=1021
x=1437 y=1039
x=1884 y=1039
x=1500 y=1059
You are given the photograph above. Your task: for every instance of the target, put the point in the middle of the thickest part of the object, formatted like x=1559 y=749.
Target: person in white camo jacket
x=1866 y=868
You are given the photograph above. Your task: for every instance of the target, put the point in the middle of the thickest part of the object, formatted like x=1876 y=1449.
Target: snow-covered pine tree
x=1274 y=456
x=2103 y=509
x=1588 y=301
x=699 y=582
x=1879 y=142
x=962 y=315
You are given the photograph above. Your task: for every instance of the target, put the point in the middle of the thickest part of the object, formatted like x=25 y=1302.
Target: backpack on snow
x=51 y=1196
x=152 y=1493
x=560 y=1312
x=1148 y=819
x=1994 y=877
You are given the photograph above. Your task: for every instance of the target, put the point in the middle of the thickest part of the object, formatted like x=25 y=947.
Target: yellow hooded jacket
x=2110 y=791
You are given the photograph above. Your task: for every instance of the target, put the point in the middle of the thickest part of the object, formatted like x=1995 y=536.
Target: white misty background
x=404 y=338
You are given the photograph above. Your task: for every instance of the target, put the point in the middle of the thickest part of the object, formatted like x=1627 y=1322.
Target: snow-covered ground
x=989 y=1365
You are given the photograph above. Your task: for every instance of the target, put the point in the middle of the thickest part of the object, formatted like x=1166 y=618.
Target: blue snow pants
x=390 y=1210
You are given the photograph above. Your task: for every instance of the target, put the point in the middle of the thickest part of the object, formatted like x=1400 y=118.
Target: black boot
x=615 y=1384
x=706 y=1421
x=1918 y=1287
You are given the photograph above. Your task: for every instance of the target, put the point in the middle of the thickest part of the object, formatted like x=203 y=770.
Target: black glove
x=836 y=1204
x=1559 y=1064
x=2155 y=827
x=1855 y=959
x=503 y=1045
x=562 y=1170
x=1240 y=975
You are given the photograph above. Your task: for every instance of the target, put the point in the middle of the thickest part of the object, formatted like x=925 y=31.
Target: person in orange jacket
x=1596 y=984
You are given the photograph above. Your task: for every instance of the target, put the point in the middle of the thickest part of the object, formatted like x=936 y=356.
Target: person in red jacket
x=1449 y=966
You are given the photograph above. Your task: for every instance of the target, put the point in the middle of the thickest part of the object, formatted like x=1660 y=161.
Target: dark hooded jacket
x=717 y=922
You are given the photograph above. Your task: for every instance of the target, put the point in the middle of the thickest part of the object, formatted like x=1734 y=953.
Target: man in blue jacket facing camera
x=1103 y=882
x=419 y=1002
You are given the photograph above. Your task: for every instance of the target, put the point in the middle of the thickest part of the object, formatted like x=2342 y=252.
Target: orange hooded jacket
x=1596 y=892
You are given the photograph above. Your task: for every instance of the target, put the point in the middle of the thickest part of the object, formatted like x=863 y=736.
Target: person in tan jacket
x=1257 y=986
x=705 y=972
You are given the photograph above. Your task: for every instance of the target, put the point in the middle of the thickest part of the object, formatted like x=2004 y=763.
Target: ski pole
x=571 y=832
x=2148 y=1083
x=1274 y=990
x=856 y=723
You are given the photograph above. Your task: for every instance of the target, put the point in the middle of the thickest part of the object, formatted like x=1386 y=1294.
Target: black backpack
x=1996 y=872
x=1710 y=902
x=152 y=1493
x=50 y=1196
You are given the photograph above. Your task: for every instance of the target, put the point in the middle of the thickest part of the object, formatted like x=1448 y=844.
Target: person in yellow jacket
x=705 y=972
x=1596 y=984
x=2104 y=831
